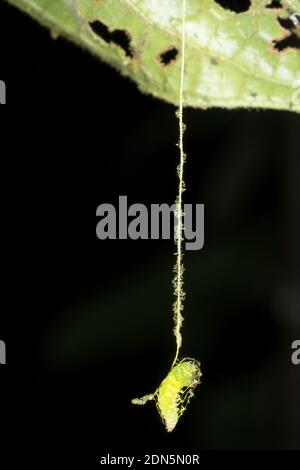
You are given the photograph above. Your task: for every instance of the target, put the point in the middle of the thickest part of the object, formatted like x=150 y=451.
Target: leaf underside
x=233 y=59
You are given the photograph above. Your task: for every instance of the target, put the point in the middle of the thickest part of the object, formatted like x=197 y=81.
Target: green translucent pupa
x=175 y=392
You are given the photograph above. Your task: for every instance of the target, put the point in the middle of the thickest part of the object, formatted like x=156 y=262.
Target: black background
x=88 y=323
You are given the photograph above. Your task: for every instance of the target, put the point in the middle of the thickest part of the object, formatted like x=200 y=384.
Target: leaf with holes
x=239 y=53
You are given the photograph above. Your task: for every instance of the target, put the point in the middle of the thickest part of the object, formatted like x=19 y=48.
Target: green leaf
x=232 y=59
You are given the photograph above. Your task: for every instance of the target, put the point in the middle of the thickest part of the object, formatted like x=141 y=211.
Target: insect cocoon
x=176 y=390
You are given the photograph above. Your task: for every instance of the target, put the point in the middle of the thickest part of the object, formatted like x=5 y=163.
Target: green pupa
x=175 y=391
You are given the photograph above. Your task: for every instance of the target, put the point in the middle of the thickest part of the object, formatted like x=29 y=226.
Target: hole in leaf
x=168 y=56
x=238 y=6
x=118 y=36
x=292 y=41
x=274 y=4
x=286 y=23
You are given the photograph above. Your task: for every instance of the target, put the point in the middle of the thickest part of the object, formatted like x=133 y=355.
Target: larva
x=175 y=391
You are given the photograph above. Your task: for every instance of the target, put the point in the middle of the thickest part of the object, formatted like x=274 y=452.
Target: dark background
x=88 y=323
